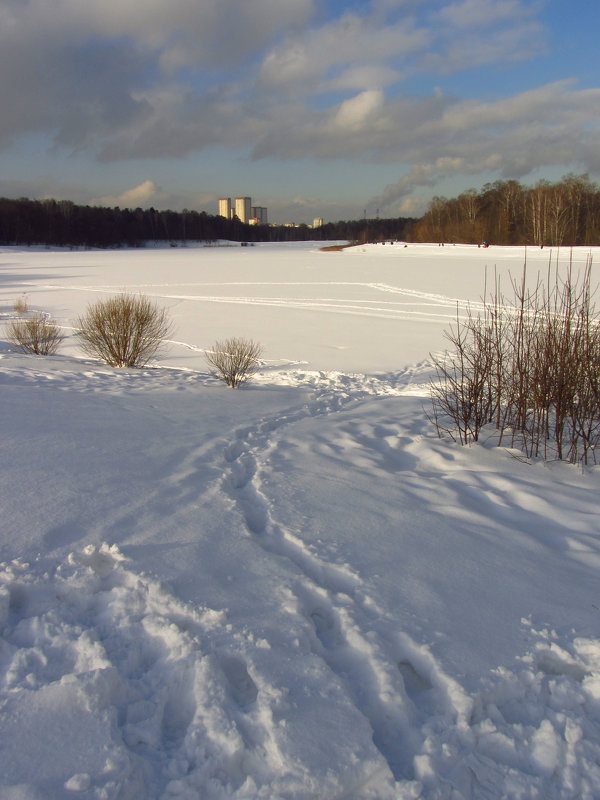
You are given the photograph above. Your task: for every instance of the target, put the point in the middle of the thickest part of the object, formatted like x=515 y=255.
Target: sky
x=313 y=108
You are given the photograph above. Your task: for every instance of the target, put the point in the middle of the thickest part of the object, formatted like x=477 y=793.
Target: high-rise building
x=317 y=222
x=242 y=208
x=225 y=207
x=260 y=214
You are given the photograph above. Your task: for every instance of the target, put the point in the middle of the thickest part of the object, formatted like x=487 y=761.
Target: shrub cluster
x=37 y=334
x=21 y=306
x=127 y=331
x=235 y=360
x=124 y=331
x=530 y=366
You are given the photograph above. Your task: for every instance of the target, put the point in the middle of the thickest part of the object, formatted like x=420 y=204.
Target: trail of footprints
x=392 y=683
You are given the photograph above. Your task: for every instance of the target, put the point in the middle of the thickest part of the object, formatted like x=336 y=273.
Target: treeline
x=555 y=214
x=63 y=223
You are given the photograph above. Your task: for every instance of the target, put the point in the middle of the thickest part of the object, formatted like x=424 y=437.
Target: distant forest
x=62 y=223
x=505 y=212
x=554 y=214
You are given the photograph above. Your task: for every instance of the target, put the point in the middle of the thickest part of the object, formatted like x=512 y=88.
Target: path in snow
x=396 y=686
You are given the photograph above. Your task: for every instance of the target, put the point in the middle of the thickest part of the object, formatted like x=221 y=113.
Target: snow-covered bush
x=124 y=331
x=36 y=334
x=235 y=360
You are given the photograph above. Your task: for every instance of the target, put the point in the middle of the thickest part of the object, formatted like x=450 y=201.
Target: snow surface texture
x=294 y=590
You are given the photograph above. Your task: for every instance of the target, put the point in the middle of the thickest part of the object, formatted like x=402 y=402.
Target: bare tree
x=124 y=331
x=235 y=360
x=37 y=334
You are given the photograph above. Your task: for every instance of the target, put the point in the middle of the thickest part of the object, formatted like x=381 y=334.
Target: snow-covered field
x=294 y=590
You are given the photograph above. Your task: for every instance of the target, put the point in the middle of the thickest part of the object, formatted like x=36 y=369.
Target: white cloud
x=485 y=13
x=209 y=30
x=145 y=194
x=72 y=69
x=360 y=111
x=363 y=77
x=312 y=61
x=104 y=77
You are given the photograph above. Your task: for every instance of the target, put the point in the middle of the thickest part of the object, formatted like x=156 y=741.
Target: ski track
x=422 y=302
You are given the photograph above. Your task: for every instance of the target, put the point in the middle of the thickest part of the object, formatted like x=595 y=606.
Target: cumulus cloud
x=145 y=194
x=546 y=123
x=148 y=194
x=348 y=46
x=359 y=111
x=184 y=76
x=75 y=70
x=212 y=32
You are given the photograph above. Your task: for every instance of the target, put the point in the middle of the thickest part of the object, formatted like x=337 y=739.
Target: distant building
x=317 y=222
x=225 y=207
x=260 y=213
x=242 y=208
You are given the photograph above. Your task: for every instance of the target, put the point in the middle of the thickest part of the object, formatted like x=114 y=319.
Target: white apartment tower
x=225 y=207
x=243 y=208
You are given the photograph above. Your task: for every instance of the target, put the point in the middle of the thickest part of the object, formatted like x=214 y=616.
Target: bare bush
x=124 y=331
x=20 y=305
x=235 y=360
x=530 y=366
x=37 y=334
x=462 y=400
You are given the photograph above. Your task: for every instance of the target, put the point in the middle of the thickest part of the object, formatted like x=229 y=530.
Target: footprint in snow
x=414 y=682
x=325 y=627
x=243 y=689
x=242 y=472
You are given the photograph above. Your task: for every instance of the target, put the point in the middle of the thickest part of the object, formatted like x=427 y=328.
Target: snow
x=294 y=590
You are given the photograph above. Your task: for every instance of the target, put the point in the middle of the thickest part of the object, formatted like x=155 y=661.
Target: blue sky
x=312 y=108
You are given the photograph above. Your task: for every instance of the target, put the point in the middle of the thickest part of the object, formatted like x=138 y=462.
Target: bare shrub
x=530 y=366
x=37 y=334
x=20 y=305
x=462 y=399
x=124 y=331
x=235 y=360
